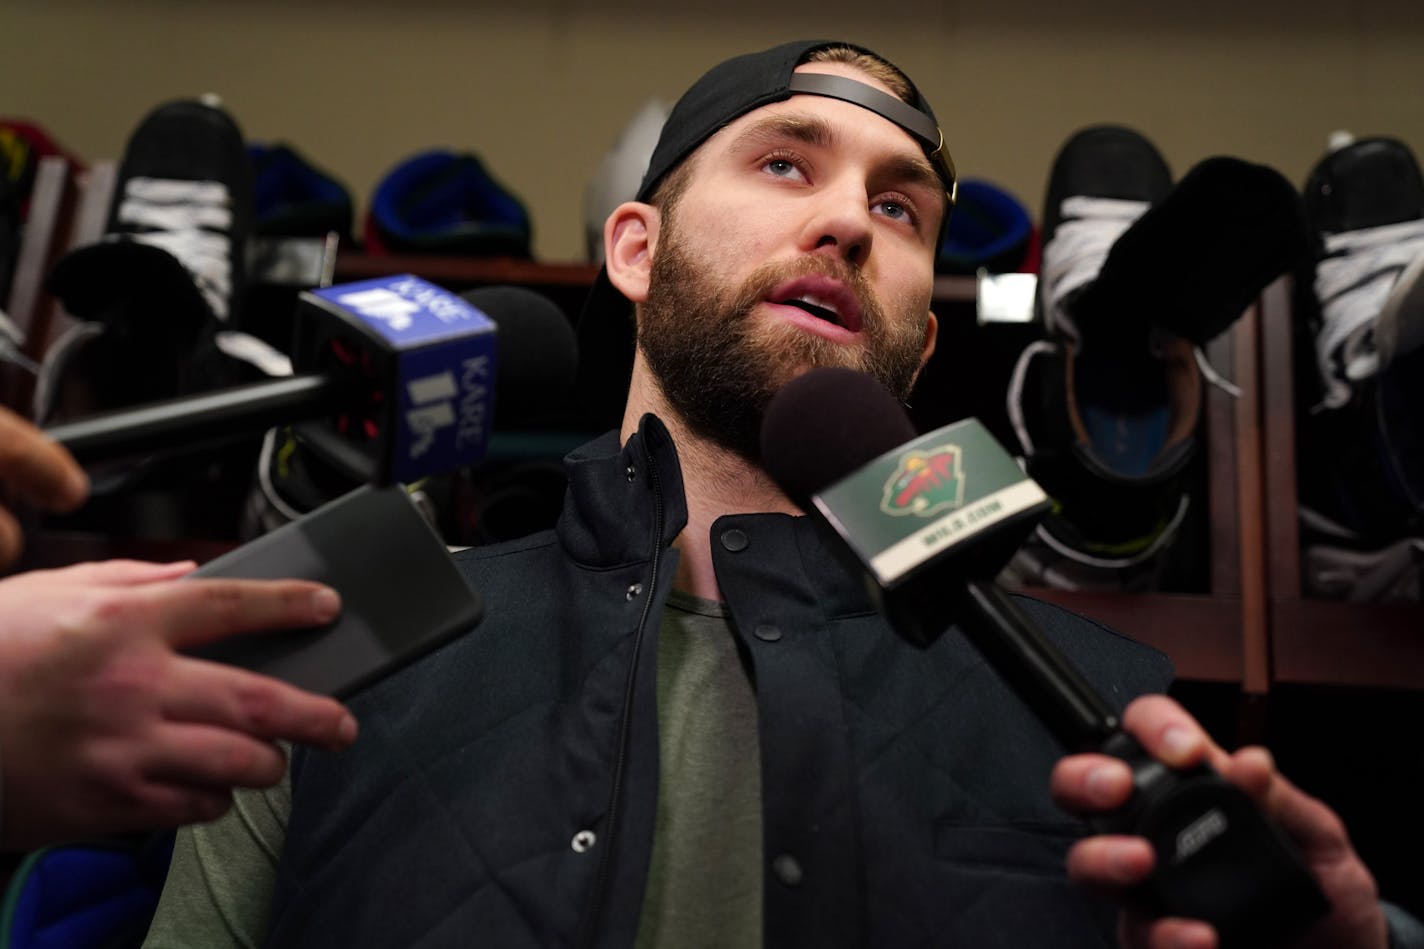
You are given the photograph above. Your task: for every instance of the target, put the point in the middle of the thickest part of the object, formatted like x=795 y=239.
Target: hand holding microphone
x=1116 y=864
x=397 y=379
x=930 y=521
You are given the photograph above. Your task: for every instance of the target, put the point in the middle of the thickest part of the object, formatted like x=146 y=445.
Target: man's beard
x=718 y=367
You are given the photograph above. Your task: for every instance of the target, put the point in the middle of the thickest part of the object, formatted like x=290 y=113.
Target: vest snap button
x=787 y=870
x=583 y=841
x=735 y=540
x=767 y=633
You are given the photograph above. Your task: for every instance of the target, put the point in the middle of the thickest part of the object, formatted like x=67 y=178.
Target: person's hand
x=105 y=728
x=33 y=470
x=1089 y=783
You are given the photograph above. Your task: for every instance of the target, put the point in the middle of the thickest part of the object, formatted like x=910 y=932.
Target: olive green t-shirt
x=704 y=882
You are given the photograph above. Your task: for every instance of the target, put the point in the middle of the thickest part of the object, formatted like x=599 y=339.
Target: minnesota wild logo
x=925 y=482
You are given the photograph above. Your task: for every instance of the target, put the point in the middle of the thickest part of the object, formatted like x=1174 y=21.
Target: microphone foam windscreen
x=538 y=354
x=825 y=424
x=1195 y=260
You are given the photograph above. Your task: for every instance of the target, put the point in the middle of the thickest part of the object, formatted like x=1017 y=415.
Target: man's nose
x=840 y=224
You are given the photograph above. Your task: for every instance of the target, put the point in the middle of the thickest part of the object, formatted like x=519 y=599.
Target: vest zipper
x=595 y=911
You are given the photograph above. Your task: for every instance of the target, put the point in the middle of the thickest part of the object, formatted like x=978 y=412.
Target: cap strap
x=887 y=106
x=901 y=113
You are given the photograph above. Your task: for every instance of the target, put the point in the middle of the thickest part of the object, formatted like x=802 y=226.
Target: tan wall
x=540 y=88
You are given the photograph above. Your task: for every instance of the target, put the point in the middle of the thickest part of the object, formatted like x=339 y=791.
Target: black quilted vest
x=503 y=790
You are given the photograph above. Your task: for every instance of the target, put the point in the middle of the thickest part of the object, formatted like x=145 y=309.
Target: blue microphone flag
x=440 y=351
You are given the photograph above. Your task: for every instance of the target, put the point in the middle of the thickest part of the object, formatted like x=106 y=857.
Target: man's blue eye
x=893 y=209
x=780 y=166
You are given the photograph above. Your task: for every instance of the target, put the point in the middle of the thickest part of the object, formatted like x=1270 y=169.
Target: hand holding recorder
x=105 y=728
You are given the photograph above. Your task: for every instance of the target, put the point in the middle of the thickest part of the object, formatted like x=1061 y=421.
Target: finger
x=1314 y=826
x=112 y=573
x=1111 y=863
x=244 y=702
x=12 y=539
x=1253 y=770
x=208 y=757
x=38 y=469
x=1088 y=783
x=151 y=806
x=161 y=804
x=200 y=611
x=1168 y=733
x=1169 y=933
x=179 y=804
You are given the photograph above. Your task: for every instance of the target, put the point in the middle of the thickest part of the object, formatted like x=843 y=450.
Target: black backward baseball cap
x=726 y=92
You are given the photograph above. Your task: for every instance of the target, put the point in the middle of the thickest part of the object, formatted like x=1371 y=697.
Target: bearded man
x=682 y=723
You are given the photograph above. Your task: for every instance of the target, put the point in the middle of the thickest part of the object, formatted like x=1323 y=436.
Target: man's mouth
x=826 y=300
x=821 y=309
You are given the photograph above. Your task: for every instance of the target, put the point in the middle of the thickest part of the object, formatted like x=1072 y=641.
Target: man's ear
x=931 y=334
x=630 y=235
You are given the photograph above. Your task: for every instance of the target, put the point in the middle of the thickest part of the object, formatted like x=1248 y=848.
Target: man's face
x=804 y=238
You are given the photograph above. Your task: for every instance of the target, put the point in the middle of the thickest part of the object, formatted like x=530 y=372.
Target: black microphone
x=929 y=521
x=538 y=356
x=395 y=380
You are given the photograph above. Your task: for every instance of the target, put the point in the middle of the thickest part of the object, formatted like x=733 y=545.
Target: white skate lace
x=1079 y=246
x=1359 y=269
x=255 y=352
x=191 y=220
